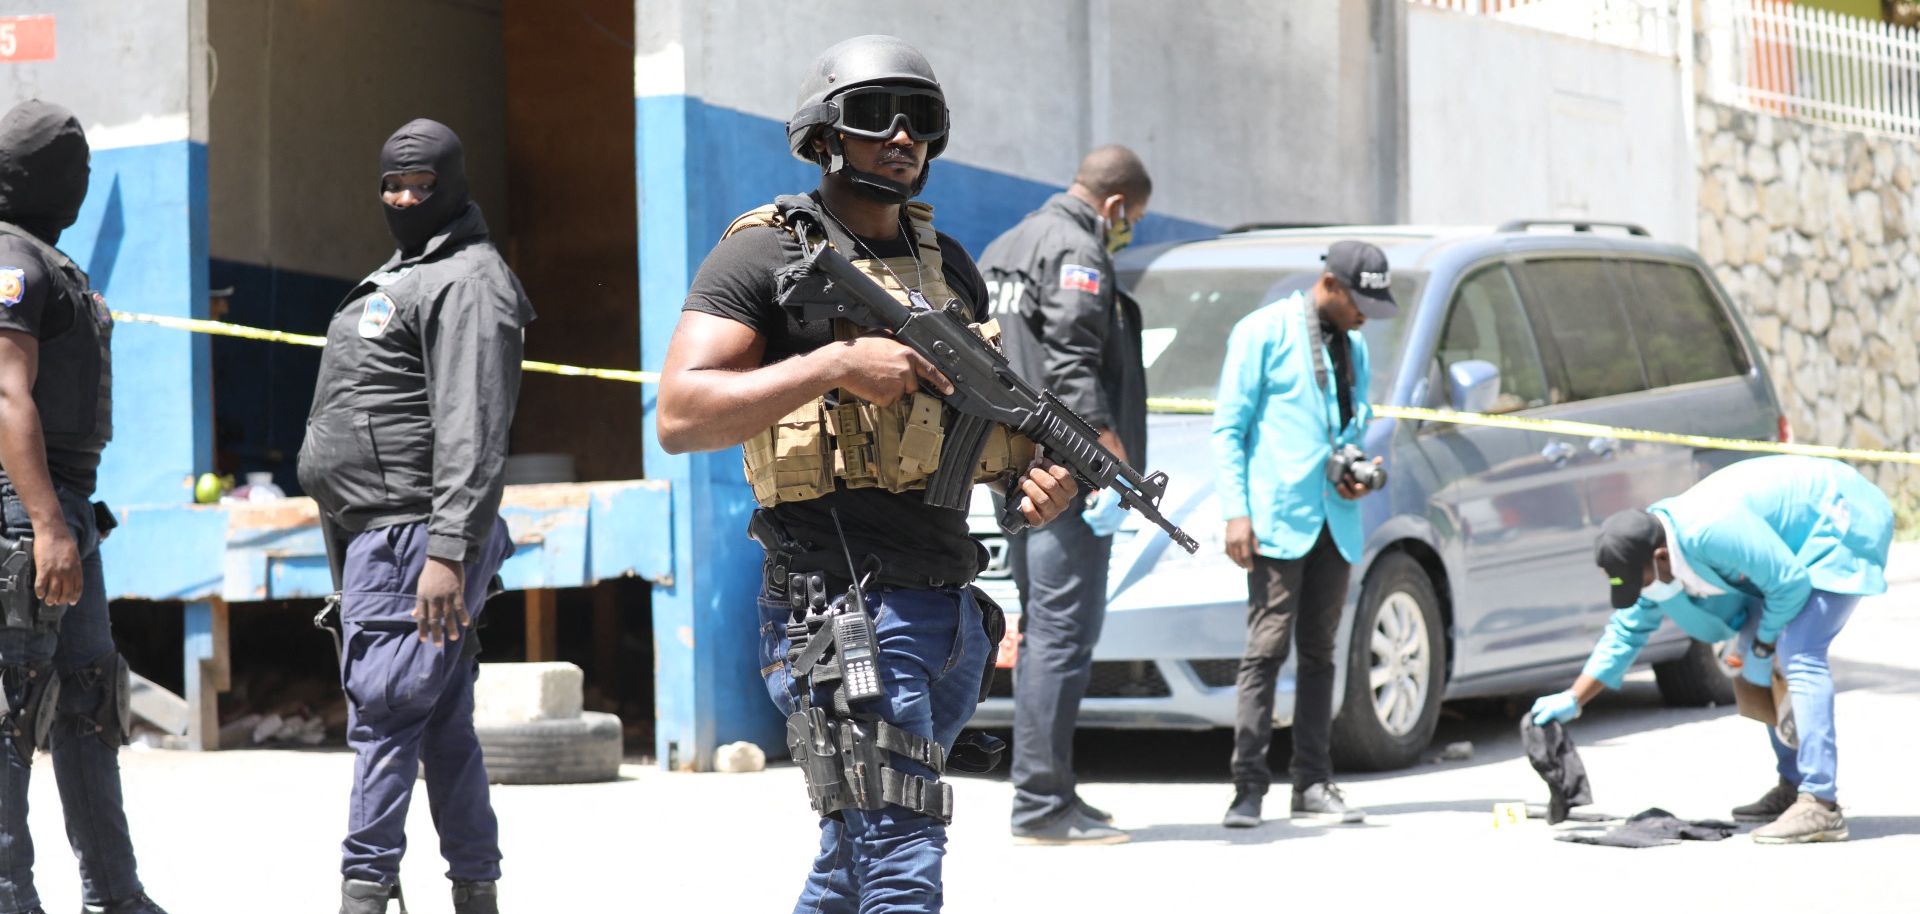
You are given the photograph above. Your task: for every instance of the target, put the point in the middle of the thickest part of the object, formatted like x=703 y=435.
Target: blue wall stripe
x=142 y=237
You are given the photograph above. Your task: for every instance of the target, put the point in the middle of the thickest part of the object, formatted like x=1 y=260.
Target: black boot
x=139 y=903
x=358 y=896
x=476 y=897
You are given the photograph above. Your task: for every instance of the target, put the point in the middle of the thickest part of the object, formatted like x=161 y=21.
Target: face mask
x=424 y=145
x=1661 y=591
x=1118 y=233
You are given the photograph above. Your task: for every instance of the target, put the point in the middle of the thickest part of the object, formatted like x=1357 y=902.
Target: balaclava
x=425 y=145
x=43 y=168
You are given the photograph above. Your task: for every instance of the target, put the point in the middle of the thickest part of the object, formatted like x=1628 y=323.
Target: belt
x=779 y=567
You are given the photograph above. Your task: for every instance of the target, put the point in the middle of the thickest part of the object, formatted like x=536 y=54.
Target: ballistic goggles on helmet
x=876 y=112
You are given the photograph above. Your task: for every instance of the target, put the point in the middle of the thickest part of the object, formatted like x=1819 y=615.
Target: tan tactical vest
x=896 y=447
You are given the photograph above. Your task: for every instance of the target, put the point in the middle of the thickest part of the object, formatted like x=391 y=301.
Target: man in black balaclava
x=405 y=453
x=64 y=683
x=424 y=152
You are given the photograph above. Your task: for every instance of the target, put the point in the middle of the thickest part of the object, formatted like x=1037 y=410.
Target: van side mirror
x=1475 y=384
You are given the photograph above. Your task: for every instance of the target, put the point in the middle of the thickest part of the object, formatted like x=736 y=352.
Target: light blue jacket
x=1275 y=426
x=1767 y=532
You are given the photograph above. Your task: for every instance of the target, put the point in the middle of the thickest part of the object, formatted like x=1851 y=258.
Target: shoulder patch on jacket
x=13 y=285
x=1077 y=278
x=375 y=315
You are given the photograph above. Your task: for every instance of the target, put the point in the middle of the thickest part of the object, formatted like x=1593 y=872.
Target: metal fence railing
x=1643 y=25
x=1813 y=64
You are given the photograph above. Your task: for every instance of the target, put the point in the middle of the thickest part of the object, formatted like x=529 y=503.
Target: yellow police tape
x=1156 y=404
x=1582 y=430
x=219 y=328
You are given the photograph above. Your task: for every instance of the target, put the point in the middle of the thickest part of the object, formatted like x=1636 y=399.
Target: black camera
x=1349 y=463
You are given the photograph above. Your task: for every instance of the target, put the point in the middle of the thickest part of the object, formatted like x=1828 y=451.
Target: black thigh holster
x=844 y=752
x=19 y=608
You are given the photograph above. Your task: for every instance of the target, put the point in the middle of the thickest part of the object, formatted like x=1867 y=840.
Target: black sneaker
x=1071 y=828
x=1245 y=811
x=1091 y=811
x=139 y=903
x=1324 y=803
x=1769 y=807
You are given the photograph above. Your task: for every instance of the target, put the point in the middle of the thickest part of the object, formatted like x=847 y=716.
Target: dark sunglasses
x=875 y=113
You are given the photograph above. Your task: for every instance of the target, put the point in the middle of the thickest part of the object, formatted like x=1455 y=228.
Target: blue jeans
x=932 y=651
x=86 y=767
x=408 y=703
x=1802 y=653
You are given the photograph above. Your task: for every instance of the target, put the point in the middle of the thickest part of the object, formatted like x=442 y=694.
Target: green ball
x=207 y=489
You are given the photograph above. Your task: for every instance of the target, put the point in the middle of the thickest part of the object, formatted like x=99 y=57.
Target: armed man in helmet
x=842 y=431
x=63 y=685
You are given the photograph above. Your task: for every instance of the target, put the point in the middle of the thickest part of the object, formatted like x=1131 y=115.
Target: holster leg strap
x=907 y=745
x=927 y=797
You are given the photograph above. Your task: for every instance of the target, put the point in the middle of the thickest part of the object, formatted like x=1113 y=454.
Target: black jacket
x=416 y=393
x=1064 y=321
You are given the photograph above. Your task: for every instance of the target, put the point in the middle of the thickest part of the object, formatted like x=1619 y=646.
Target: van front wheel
x=1396 y=670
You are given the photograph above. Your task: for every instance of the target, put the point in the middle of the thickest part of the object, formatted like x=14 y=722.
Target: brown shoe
x=1808 y=820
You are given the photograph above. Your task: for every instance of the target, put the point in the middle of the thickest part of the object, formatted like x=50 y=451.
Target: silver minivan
x=1478 y=575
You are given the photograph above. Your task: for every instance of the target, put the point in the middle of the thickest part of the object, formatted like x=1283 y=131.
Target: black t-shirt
x=902 y=531
x=30 y=303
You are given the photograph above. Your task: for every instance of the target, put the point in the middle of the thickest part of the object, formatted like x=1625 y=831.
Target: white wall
x=1243 y=109
x=305 y=95
x=1506 y=121
x=129 y=78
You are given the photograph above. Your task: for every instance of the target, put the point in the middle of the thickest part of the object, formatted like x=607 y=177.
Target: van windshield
x=1186 y=315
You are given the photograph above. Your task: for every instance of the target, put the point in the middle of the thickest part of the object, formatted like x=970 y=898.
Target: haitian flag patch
x=1077 y=278
x=13 y=286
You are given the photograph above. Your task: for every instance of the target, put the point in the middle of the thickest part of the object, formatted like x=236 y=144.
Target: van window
x=1579 y=306
x=1487 y=323
x=1186 y=315
x=1685 y=334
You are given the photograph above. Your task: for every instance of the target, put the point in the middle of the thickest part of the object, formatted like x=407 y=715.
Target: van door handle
x=1559 y=452
x=1603 y=446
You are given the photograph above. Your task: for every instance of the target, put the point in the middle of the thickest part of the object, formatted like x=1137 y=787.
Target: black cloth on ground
x=1653 y=828
x=1552 y=754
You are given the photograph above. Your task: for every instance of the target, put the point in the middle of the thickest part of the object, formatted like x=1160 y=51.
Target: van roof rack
x=1264 y=226
x=1578 y=225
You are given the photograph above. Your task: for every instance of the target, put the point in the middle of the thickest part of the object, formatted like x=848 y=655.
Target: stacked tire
x=532 y=729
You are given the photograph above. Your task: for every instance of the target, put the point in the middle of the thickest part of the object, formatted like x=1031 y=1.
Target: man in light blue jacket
x=1773 y=552
x=1293 y=391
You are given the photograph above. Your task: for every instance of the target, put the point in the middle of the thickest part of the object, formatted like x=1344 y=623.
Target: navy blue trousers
x=410 y=702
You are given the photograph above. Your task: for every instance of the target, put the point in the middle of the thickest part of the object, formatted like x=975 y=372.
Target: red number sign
x=25 y=38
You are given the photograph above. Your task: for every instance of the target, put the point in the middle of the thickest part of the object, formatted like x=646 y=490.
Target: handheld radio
x=853 y=634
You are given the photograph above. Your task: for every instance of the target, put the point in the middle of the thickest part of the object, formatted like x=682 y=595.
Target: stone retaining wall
x=1815 y=231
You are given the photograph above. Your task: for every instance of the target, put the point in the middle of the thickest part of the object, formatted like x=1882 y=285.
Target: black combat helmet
x=867 y=86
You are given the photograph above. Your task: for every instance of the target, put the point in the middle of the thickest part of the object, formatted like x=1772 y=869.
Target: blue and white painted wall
x=134 y=74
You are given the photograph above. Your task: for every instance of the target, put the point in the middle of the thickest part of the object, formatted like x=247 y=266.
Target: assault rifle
x=823 y=285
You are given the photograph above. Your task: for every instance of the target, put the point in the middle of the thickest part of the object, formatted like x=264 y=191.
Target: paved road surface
x=258 y=831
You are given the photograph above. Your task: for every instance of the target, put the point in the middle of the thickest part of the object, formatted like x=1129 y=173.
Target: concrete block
x=508 y=693
x=737 y=758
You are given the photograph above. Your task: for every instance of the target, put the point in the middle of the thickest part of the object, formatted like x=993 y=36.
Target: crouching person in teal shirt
x=1773 y=552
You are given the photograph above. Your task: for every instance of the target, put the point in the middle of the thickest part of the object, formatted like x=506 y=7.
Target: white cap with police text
x=1362 y=268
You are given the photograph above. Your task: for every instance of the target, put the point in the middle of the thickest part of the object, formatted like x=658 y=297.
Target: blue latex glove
x=1757 y=670
x=1560 y=706
x=1104 y=512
